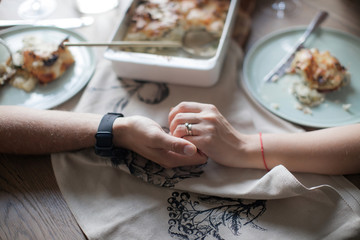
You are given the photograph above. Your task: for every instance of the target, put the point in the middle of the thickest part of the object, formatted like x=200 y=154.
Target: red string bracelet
x=262 y=152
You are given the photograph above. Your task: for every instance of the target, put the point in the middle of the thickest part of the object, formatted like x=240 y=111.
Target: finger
x=200 y=143
x=182 y=131
x=171 y=160
x=177 y=145
x=185 y=107
x=182 y=118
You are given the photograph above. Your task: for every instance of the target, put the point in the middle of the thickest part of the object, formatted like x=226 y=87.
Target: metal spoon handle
x=172 y=44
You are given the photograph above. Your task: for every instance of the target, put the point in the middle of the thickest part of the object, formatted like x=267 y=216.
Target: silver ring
x=188 y=129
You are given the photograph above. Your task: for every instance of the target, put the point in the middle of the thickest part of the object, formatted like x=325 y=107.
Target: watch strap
x=104 y=145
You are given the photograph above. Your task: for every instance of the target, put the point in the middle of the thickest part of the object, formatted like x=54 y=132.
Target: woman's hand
x=147 y=138
x=213 y=134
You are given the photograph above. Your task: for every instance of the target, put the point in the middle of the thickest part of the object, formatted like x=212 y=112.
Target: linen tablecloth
x=134 y=198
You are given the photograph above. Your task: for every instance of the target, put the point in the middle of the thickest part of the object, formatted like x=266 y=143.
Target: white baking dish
x=170 y=69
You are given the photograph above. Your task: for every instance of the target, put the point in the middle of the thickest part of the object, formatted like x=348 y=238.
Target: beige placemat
x=133 y=198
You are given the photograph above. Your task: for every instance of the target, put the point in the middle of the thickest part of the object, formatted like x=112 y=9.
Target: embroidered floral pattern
x=152 y=172
x=203 y=219
x=147 y=92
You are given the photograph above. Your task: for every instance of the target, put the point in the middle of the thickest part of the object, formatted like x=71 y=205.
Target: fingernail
x=189 y=150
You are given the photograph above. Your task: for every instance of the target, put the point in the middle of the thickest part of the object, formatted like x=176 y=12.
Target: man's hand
x=147 y=138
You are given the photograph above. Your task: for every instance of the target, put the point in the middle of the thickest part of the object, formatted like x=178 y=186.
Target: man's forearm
x=30 y=131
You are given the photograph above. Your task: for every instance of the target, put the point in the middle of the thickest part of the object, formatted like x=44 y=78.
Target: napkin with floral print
x=133 y=198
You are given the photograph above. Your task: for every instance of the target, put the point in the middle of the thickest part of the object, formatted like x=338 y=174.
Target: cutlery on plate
x=60 y=22
x=280 y=69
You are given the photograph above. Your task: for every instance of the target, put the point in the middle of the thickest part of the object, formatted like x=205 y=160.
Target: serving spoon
x=197 y=42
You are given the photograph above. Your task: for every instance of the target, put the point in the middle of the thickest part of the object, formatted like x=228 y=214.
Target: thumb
x=178 y=145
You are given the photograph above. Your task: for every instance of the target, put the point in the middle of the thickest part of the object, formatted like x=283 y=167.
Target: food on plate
x=170 y=19
x=320 y=70
x=47 y=61
x=307 y=95
x=6 y=72
x=39 y=61
x=24 y=80
x=320 y=73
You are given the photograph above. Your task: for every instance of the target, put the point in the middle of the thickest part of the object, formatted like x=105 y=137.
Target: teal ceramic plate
x=276 y=97
x=52 y=94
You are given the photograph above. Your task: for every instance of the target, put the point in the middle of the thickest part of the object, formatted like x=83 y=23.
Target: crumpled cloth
x=133 y=198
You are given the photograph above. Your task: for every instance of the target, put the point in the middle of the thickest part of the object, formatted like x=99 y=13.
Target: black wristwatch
x=104 y=145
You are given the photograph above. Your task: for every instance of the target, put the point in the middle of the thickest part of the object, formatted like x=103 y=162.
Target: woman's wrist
x=251 y=152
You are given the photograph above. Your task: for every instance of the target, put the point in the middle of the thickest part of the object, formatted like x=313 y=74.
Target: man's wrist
x=104 y=145
x=121 y=132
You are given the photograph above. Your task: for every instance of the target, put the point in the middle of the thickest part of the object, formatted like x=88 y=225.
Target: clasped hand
x=146 y=137
x=210 y=132
x=211 y=136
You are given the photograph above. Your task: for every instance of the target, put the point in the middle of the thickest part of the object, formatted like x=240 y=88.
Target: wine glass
x=36 y=9
x=283 y=8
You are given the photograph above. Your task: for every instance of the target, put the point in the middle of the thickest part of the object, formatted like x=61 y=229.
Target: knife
x=60 y=22
x=281 y=68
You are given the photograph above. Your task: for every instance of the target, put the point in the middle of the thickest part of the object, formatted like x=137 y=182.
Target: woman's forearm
x=30 y=131
x=326 y=151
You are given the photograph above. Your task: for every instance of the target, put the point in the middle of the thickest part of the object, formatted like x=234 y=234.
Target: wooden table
x=31 y=204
